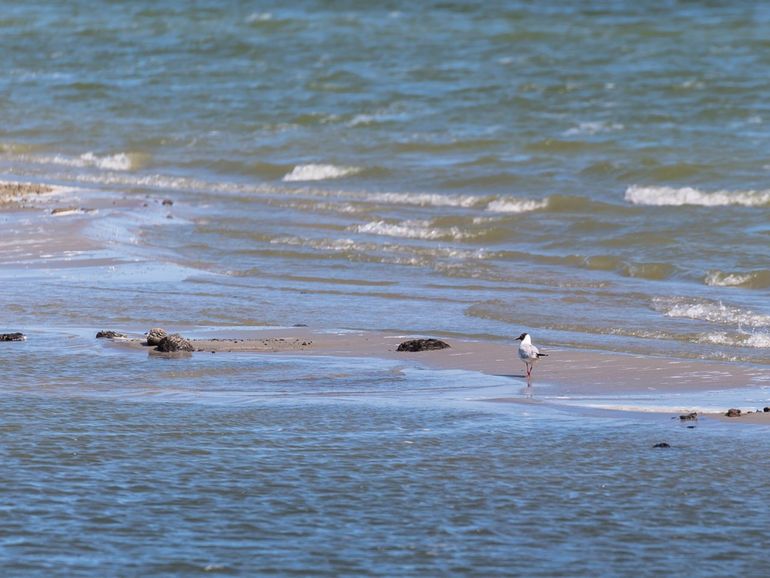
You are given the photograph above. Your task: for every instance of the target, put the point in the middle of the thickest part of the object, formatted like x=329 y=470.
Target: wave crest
x=512 y=205
x=316 y=172
x=411 y=230
x=671 y=196
x=747 y=280
x=710 y=311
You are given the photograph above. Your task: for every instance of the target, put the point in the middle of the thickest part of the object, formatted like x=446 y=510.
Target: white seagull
x=528 y=353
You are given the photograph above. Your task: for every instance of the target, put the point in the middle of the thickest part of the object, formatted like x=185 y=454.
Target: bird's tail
x=542 y=355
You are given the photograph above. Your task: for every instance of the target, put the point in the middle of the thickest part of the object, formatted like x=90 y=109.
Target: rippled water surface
x=590 y=172
x=593 y=173
x=257 y=465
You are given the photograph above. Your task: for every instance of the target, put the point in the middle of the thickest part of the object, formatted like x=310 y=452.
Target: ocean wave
x=490 y=203
x=116 y=162
x=427 y=199
x=317 y=172
x=758 y=340
x=748 y=280
x=412 y=230
x=671 y=196
x=710 y=311
x=512 y=205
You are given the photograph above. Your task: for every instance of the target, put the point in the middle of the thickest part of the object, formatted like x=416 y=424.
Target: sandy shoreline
x=565 y=376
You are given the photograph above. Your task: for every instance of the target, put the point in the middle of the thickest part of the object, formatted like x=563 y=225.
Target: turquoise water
x=592 y=173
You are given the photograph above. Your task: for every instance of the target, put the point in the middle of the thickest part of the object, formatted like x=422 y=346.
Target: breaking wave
x=427 y=199
x=116 y=162
x=710 y=311
x=510 y=205
x=747 y=280
x=671 y=196
x=758 y=340
x=315 y=172
x=412 y=230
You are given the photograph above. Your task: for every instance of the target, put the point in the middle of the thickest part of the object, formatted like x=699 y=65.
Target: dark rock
x=167 y=202
x=12 y=336
x=300 y=325
x=422 y=345
x=689 y=416
x=662 y=445
x=109 y=335
x=767 y=409
x=155 y=334
x=174 y=342
x=733 y=412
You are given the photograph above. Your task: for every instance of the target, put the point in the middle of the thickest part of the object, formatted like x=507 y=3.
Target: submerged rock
x=110 y=335
x=662 y=445
x=174 y=342
x=12 y=336
x=422 y=345
x=155 y=335
x=732 y=412
x=689 y=416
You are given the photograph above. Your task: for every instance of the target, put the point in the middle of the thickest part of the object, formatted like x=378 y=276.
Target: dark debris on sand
x=413 y=345
x=12 y=336
x=110 y=335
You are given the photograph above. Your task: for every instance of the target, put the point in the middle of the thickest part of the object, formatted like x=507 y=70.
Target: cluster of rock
x=168 y=343
x=414 y=345
x=732 y=412
x=157 y=337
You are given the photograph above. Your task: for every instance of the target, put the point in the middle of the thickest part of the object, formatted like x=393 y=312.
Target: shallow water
x=594 y=175
x=135 y=464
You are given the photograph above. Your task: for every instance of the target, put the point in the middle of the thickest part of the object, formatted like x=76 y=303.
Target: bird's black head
x=520 y=337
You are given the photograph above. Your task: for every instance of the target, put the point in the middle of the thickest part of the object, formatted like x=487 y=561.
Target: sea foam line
x=116 y=162
x=671 y=196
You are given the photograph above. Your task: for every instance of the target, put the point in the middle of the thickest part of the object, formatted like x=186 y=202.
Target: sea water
x=592 y=173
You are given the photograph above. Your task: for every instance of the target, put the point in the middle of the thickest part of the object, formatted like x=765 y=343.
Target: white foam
x=426 y=199
x=410 y=230
x=314 y=172
x=713 y=312
x=758 y=340
x=116 y=162
x=671 y=196
x=511 y=205
x=719 y=279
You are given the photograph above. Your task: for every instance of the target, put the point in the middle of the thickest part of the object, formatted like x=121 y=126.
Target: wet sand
x=564 y=374
x=20 y=194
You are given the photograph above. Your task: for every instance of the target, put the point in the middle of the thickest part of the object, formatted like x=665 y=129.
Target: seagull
x=528 y=353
